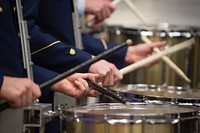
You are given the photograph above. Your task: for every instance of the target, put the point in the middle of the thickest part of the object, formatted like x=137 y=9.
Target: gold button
x=1 y=9
x=72 y=52
x=14 y=8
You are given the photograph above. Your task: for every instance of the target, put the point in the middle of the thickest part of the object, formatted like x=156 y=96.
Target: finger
x=99 y=17
x=29 y=97
x=23 y=99
x=100 y=84
x=36 y=92
x=92 y=77
x=106 y=13
x=117 y=75
x=108 y=80
x=83 y=87
x=158 y=44
x=93 y=93
x=84 y=82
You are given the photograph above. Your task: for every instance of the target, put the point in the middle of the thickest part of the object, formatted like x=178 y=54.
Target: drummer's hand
x=19 y=92
x=95 y=26
x=108 y=73
x=76 y=85
x=140 y=51
x=102 y=9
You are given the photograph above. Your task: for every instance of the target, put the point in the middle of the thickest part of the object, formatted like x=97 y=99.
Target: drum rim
x=155 y=30
x=83 y=116
x=154 y=88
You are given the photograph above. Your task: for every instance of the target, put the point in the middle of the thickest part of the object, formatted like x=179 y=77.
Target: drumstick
x=83 y=65
x=105 y=91
x=157 y=56
x=93 y=21
x=136 y=11
x=168 y=61
x=76 y=69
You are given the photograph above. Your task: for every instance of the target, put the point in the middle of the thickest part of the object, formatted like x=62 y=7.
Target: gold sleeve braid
x=39 y=50
x=104 y=44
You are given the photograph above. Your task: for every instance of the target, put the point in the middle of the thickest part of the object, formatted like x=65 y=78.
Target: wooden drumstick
x=168 y=61
x=157 y=56
x=136 y=11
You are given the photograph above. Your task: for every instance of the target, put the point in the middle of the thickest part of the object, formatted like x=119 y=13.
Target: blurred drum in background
x=136 y=118
x=187 y=60
x=172 y=21
x=175 y=95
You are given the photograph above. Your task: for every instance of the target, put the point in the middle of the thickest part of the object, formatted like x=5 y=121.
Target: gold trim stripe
x=104 y=44
x=45 y=47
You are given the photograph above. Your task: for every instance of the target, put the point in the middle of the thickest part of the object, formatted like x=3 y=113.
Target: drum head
x=166 y=92
x=115 y=110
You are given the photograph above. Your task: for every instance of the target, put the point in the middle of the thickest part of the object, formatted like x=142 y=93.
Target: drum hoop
x=124 y=118
x=173 y=31
x=148 y=88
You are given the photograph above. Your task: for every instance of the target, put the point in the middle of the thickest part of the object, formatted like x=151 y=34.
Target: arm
x=47 y=51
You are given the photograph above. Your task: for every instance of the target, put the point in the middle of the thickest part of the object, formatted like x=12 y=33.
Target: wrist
x=130 y=55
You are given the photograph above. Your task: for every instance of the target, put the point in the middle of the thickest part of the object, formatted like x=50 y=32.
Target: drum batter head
x=167 y=92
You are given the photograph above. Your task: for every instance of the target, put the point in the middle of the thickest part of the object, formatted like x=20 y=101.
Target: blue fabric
x=42 y=75
x=55 y=57
x=10 y=49
x=58 y=22
x=1 y=81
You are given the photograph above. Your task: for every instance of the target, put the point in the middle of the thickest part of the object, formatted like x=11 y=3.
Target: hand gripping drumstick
x=105 y=54
x=105 y=91
x=76 y=69
x=93 y=21
x=168 y=61
x=157 y=56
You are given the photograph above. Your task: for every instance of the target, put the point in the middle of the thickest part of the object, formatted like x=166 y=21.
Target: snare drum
x=187 y=60
x=159 y=94
x=137 y=118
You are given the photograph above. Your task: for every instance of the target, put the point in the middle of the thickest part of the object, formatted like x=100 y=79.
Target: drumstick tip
x=128 y=104
x=188 y=80
x=129 y=41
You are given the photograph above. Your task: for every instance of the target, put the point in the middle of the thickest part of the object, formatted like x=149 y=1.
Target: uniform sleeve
x=47 y=51
x=42 y=75
x=53 y=54
x=95 y=46
x=1 y=81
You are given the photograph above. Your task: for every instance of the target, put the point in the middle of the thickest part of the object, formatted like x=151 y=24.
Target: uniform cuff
x=81 y=7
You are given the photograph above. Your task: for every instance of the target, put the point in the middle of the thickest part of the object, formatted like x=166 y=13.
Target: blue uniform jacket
x=10 y=55
x=10 y=47
x=47 y=27
x=47 y=50
x=55 y=17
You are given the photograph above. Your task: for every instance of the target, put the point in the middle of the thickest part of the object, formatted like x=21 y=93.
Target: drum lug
x=60 y=109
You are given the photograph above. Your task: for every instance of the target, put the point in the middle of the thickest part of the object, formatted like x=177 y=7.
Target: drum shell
x=76 y=123
x=187 y=60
